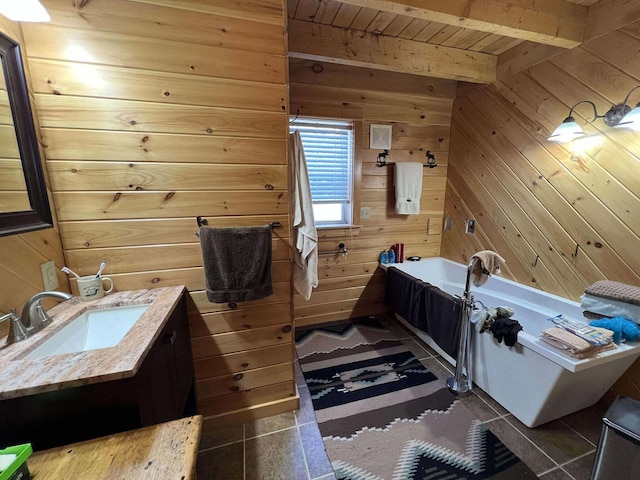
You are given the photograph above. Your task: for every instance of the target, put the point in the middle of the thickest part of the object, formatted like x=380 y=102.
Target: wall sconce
x=24 y=11
x=619 y=116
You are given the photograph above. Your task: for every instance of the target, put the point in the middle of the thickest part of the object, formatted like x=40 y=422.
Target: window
x=328 y=148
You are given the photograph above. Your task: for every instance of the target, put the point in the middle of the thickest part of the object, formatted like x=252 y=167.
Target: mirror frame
x=40 y=216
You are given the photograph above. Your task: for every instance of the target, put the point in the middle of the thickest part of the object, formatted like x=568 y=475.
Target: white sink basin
x=92 y=330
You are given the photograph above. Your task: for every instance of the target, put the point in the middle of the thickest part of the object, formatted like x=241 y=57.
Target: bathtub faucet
x=460 y=384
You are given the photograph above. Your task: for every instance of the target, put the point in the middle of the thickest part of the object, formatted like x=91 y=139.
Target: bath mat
x=382 y=415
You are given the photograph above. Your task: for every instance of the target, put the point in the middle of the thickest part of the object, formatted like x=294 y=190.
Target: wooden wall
x=154 y=112
x=419 y=109
x=533 y=198
x=21 y=255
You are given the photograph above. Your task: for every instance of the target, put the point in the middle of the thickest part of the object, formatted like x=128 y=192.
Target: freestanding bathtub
x=532 y=380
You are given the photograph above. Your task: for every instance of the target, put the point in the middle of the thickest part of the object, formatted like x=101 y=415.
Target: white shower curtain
x=305 y=256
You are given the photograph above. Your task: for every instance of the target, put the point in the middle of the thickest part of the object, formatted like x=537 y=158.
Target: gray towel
x=237 y=263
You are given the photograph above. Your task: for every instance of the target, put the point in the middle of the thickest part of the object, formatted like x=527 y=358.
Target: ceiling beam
x=524 y=56
x=551 y=22
x=324 y=43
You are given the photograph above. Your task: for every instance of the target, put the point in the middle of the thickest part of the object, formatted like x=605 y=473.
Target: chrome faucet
x=34 y=318
x=17 y=330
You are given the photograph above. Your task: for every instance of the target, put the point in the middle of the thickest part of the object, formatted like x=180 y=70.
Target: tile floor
x=289 y=446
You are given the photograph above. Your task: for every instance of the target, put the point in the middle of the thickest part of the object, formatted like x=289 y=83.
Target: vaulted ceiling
x=475 y=41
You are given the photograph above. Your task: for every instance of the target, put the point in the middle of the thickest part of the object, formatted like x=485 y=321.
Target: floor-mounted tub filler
x=532 y=380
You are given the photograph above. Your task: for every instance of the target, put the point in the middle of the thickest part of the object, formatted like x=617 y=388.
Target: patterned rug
x=383 y=415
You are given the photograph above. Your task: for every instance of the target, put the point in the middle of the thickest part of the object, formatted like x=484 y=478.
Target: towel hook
x=381 y=161
x=535 y=261
x=431 y=159
x=575 y=254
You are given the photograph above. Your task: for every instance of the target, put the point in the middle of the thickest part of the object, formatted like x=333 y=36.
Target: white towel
x=610 y=308
x=305 y=256
x=408 y=183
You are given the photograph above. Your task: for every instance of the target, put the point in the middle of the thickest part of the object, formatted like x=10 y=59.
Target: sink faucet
x=33 y=317
x=17 y=330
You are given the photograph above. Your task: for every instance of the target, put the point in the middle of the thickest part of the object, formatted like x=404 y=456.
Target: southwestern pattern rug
x=383 y=416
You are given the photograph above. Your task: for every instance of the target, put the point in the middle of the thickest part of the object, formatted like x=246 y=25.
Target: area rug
x=383 y=415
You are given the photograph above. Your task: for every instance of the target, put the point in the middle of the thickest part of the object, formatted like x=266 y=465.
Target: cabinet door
x=180 y=359
x=165 y=380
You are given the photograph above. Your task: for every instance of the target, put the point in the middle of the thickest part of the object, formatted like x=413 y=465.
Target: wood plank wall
x=21 y=255
x=154 y=112
x=532 y=198
x=419 y=109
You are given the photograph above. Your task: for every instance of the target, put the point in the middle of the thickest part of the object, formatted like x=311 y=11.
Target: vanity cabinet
x=162 y=389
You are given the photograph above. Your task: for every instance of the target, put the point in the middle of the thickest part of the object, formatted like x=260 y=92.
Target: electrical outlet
x=365 y=213
x=49 y=275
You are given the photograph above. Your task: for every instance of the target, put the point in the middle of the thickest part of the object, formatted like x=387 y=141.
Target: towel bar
x=381 y=161
x=203 y=221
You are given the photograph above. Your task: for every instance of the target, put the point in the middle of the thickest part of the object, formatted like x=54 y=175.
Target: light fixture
x=619 y=116
x=24 y=11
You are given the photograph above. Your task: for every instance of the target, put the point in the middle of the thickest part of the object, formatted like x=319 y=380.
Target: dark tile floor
x=289 y=446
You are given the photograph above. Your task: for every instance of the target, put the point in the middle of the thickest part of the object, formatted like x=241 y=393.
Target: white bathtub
x=532 y=380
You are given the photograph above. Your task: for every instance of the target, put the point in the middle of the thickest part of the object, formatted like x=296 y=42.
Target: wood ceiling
x=476 y=41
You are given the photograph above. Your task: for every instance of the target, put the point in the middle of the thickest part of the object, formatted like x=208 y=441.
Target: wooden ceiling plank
x=307 y=9
x=445 y=34
x=502 y=45
x=414 y=28
x=607 y=16
x=336 y=45
x=471 y=40
x=484 y=42
x=327 y=11
x=561 y=24
x=459 y=37
x=429 y=31
x=397 y=25
x=345 y=15
x=381 y=22
x=363 y=19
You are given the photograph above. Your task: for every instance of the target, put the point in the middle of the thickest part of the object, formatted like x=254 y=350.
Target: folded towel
x=572 y=344
x=485 y=263
x=237 y=263
x=408 y=184
x=610 y=308
x=618 y=291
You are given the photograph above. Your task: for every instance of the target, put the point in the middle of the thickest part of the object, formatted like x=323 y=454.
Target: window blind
x=328 y=150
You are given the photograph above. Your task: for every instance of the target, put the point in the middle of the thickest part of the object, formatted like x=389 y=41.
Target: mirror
x=24 y=205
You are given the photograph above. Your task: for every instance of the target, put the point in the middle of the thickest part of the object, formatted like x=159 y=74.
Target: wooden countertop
x=167 y=451
x=20 y=377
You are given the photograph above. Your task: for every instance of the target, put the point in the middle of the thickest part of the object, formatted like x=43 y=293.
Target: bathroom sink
x=92 y=330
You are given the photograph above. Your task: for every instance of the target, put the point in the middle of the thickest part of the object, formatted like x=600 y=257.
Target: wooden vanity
x=145 y=379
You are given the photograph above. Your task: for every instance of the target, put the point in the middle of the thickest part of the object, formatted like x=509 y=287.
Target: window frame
x=351 y=209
